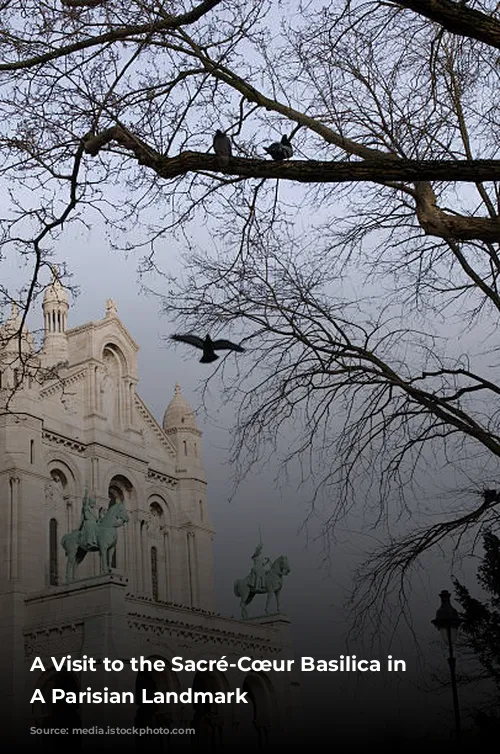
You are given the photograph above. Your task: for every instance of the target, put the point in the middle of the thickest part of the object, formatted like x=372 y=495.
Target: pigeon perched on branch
x=208 y=346
x=280 y=150
x=222 y=146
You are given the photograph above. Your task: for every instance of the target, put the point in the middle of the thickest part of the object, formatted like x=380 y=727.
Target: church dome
x=55 y=293
x=179 y=414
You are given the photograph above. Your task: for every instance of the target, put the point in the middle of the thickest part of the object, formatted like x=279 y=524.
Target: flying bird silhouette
x=280 y=150
x=208 y=346
x=222 y=146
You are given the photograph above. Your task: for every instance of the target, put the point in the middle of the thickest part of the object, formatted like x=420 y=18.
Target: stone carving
x=69 y=402
x=95 y=534
x=264 y=578
x=49 y=494
x=111 y=308
x=105 y=381
x=54 y=493
x=153 y=521
x=58 y=489
x=108 y=406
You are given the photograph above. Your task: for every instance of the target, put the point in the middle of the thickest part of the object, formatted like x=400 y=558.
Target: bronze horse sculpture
x=114 y=517
x=273 y=581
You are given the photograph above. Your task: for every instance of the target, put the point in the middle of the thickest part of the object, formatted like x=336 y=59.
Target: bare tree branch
x=120 y=34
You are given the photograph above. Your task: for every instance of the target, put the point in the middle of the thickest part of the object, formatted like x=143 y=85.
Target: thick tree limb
x=433 y=220
x=457 y=18
x=303 y=171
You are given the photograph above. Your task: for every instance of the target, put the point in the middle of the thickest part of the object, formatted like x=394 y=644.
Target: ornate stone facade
x=75 y=420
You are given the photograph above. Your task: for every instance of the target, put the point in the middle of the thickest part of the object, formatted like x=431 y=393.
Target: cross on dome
x=179 y=414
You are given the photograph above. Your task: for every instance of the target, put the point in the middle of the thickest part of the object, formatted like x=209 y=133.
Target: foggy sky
x=313 y=595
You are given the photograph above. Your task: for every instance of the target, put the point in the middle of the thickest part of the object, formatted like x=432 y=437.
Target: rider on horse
x=265 y=578
x=97 y=531
x=260 y=567
x=88 y=524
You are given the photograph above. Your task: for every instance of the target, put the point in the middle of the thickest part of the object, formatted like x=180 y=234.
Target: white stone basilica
x=70 y=418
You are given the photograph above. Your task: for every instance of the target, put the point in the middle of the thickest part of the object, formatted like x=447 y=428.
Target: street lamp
x=447 y=622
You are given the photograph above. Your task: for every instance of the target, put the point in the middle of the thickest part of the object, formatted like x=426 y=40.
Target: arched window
x=54 y=570
x=154 y=572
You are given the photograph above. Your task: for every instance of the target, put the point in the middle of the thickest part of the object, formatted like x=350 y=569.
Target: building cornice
x=61 y=383
x=102 y=324
x=54 y=438
x=153 y=424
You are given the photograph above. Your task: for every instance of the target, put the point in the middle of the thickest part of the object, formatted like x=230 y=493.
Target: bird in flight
x=208 y=346
x=280 y=150
x=222 y=146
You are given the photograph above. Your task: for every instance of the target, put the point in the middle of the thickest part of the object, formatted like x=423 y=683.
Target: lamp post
x=447 y=622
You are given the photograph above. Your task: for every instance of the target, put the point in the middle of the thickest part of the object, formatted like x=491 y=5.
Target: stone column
x=166 y=560
x=13 y=541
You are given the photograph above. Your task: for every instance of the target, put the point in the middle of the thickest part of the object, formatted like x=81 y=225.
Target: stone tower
x=55 y=318
x=179 y=425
